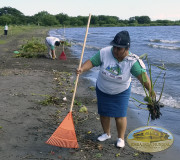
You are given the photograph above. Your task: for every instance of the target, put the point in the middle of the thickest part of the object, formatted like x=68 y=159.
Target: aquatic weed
x=153 y=105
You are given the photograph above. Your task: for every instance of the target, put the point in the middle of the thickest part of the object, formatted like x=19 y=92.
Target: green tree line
x=12 y=16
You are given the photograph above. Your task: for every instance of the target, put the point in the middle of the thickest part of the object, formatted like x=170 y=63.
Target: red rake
x=65 y=135
x=62 y=56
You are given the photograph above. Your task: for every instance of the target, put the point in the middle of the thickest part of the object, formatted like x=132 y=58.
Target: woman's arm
x=85 y=67
x=146 y=83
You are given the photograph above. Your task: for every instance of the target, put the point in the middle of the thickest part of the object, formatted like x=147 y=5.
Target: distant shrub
x=32 y=48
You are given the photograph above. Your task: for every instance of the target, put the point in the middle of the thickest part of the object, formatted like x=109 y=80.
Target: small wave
x=87 y=46
x=170 y=101
x=166 y=99
x=164 y=47
x=96 y=33
x=163 y=41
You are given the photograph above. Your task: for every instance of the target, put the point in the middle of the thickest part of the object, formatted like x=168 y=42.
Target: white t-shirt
x=114 y=77
x=6 y=27
x=51 y=40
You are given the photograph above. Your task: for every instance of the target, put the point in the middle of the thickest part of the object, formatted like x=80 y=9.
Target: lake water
x=162 y=44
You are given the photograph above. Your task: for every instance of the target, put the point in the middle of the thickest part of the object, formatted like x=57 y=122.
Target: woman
x=6 y=29
x=113 y=85
x=51 y=42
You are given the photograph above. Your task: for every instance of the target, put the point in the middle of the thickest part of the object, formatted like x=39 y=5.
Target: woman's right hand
x=79 y=71
x=85 y=67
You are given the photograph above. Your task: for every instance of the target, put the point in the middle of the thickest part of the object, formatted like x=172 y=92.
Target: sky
x=124 y=9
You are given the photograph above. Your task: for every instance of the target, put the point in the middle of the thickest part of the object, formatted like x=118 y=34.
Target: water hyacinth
x=153 y=105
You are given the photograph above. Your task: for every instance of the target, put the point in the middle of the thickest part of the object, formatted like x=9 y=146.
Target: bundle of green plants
x=32 y=48
x=152 y=104
x=66 y=43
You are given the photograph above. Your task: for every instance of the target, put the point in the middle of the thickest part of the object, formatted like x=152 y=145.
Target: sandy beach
x=27 y=119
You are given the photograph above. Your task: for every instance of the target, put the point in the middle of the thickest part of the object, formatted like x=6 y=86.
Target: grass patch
x=50 y=100
x=2 y=41
x=15 y=30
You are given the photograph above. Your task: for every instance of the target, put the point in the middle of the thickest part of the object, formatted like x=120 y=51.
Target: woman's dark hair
x=57 y=43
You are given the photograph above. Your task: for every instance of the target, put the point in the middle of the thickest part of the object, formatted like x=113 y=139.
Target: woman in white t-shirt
x=113 y=85
x=51 y=42
x=5 y=29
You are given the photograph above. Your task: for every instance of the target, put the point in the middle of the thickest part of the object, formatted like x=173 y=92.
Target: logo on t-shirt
x=115 y=70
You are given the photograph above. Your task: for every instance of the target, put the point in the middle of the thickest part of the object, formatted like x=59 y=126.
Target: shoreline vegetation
x=32 y=106
x=12 y=16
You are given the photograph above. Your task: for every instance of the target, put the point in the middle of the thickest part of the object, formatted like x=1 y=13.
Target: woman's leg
x=49 y=49
x=121 y=124
x=105 y=122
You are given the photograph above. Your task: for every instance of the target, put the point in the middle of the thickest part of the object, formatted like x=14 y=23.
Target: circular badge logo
x=150 y=139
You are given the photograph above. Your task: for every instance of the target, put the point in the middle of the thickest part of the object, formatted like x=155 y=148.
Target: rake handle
x=82 y=53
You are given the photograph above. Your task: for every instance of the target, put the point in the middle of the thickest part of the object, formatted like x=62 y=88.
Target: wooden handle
x=77 y=78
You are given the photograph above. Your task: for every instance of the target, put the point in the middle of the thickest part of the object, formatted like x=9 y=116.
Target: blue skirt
x=113 y=105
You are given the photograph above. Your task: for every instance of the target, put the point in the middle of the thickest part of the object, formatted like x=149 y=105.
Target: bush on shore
x=32 y=48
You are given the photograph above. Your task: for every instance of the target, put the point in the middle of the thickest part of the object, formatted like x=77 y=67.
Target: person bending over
x=51 y=42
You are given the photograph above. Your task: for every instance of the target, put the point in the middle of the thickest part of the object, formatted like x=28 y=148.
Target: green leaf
x=83 y=109
x=139 y=101
x=92 y=88
x=118 y=154
x=162 y=88
x=143 y=56
x=160 y=67
x=157 y=78
x=146 y=99
x=139 y=106
x=136 y=154
x=98 y=155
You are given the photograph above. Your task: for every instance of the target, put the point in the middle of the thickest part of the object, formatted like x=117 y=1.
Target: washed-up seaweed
x=152 y=105
x=154 y=110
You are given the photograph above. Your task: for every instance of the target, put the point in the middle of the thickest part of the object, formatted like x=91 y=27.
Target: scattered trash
x=59 y=157
x=64 y=99
x=16 y=52
x=100 y=147
x=52 y=153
